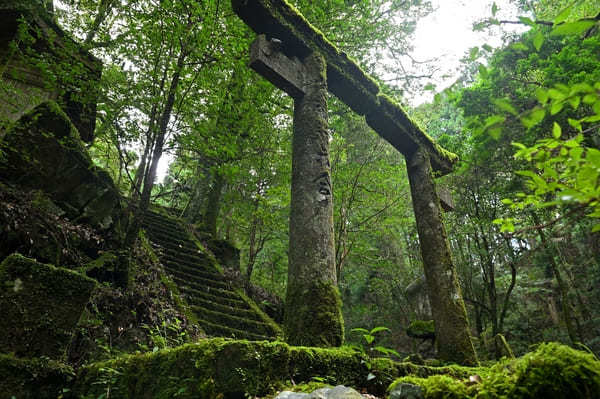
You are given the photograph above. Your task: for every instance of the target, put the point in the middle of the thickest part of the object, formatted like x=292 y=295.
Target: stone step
x=169 y=230
x=198 y=299
x=210 y=290
x=203 y=264
x=182 y=247
x=168 y=240
x=196 y=270
x=216 y=330
x=246 y=313
x=238 y=323
x=185 y=257
x=197 y=283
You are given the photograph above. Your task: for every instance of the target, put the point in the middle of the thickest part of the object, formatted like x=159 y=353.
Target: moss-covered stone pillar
x=453 y=338
x=313 y=315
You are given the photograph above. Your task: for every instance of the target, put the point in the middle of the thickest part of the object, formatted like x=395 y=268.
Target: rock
x=407 y=391
x=292 y=395
x=226 y=253
x=339 y=392
x=43 y=151
x=40 y=306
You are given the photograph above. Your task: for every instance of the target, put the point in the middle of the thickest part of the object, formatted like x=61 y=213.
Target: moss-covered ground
x=552 y=371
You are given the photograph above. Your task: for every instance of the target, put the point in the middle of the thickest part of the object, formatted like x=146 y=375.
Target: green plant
x=369 y=338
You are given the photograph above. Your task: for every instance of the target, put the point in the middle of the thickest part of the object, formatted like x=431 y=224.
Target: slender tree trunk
x=156 y=152
x=453 y=337
x=563 y=289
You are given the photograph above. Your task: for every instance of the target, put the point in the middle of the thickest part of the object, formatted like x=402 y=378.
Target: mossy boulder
x=552 y=371
x=40 y=305
x=42 y=150
x=422 y=329
x=33 y=378
x=227 y=368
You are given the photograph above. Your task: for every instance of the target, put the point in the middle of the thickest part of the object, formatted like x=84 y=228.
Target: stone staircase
x=221 y=310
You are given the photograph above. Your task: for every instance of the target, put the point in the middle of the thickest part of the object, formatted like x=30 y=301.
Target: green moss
x=276 y=329
x=41 y=305
x=423 y=329
x=313 y=315
x=346 y=79
x=180 y=303
x=551 y=371
x=33 y=378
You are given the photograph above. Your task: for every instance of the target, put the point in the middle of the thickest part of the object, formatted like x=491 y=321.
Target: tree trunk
x=156 y=152
x=449 y=314
x=213 y=205
x=313 y=315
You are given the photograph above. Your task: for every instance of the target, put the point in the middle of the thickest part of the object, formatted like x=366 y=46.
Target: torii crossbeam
x=297 y=58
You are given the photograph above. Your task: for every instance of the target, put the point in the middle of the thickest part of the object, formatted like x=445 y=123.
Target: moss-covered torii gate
x=297 y=58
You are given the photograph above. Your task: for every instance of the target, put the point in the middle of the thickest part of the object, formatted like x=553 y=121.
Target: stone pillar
x=453 y=338
x=313 y=315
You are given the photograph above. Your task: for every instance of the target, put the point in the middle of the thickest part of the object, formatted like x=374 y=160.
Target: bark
x=213 y=204
x=453 y=338
x=313 y=314
x=157 y=151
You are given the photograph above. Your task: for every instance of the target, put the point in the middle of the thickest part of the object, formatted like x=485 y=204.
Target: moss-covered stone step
x=200 y=271
x=246 y=313
x=180 y=246
x=182 y=256
x=221 y=311
x=231 y=321
x=164 y=234
x=204 y=266
x=197 y=283
x=209 y=290
x=218 y=330
x=207 y=296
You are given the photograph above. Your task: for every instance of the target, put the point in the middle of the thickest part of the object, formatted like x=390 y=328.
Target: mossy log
x=345 y=79
x=40 y=305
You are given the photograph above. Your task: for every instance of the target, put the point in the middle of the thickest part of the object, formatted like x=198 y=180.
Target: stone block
x=40 y=305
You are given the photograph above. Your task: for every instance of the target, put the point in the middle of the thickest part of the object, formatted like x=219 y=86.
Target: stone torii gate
x=297 y=58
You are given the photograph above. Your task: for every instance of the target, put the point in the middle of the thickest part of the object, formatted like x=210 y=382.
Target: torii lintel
x=345 y=79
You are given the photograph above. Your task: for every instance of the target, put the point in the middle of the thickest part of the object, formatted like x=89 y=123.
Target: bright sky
x=447 y=34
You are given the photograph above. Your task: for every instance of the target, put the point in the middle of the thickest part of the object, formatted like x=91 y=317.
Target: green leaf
x=556 y=131
x=494 y=120
x=572 y=28
x=575 y=101
x=360 y=330
x=369 y=338
x=538 y=40
x=563 y=15
x=494 y=9
x=596 y=228
x=473 y=53
x=487 y=48
x=378 y=329
x=575 y=123
x=483 y=71
x=533 y=118
x=556 y=107
x=527 y=21
x=505 y=105
x=520 y=46
x=542 y=95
